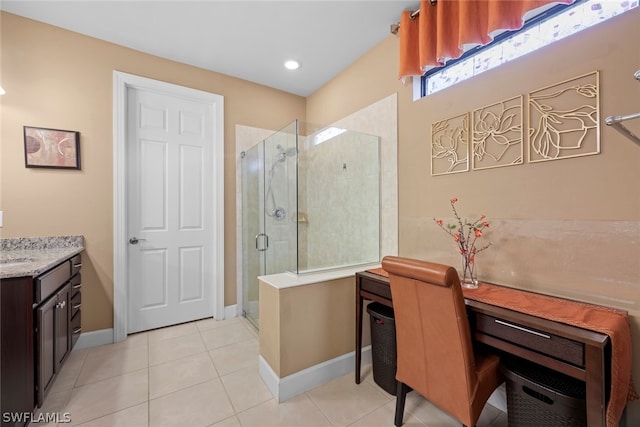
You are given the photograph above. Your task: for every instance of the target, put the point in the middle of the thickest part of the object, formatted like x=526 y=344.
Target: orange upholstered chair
x=436 y=357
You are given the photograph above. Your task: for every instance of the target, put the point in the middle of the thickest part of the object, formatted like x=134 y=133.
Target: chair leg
x=401 y=395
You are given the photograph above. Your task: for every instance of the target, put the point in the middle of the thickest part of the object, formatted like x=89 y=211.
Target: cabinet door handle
x=61 y=304
x=77 y=330
x=520 y=328
x=77 y=265
x=78 y=286
x=75 y=307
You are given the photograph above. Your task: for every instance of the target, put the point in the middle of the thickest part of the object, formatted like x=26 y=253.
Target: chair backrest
x=435 y=353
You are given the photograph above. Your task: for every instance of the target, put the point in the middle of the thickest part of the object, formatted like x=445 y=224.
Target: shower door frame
x=262 y=240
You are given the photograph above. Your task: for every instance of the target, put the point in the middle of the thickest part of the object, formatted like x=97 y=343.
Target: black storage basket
x=538 y=396
x=383 y=346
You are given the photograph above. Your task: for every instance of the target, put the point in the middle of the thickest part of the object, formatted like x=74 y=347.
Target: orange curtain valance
x=439 y=31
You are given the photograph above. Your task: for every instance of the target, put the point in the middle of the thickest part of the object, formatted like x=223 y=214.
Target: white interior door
x=170 y=209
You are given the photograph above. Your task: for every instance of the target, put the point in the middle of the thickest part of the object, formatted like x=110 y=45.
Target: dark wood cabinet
x=52 y=338
x=40 y=325
x=16 y=332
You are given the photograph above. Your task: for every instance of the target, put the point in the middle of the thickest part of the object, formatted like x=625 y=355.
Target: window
x=543 y=29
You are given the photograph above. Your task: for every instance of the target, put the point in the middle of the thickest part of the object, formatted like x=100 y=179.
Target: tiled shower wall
x=379 y=119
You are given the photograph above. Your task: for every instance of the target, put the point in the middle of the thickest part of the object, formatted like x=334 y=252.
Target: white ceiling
x=246 y=39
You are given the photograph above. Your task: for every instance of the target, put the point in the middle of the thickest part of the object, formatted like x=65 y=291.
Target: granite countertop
x=31 y=256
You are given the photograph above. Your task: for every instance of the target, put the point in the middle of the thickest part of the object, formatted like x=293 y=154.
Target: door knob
x=135 y=240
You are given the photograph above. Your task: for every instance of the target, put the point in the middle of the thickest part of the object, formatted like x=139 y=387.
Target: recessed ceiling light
x=292 y=65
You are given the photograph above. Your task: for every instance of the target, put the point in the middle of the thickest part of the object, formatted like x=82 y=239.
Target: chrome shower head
x=283 y=153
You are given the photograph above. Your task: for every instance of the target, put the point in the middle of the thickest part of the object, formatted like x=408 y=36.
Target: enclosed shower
x=310 y=202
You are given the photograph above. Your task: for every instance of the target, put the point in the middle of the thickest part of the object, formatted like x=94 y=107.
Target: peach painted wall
x=566 y=227
x=60 y=79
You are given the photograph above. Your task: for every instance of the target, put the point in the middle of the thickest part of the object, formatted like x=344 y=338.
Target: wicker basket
x=383 y=346
x=537 y=396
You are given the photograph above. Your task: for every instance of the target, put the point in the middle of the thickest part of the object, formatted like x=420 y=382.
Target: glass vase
x=468 y=277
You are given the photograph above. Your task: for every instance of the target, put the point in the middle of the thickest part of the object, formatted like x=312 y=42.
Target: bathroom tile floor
x=205 y=373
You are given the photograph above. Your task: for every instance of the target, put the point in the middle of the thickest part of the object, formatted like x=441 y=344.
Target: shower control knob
x=279 y=213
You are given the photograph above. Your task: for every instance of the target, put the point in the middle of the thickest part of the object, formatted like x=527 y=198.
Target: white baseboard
x=94 y=339
x=231 y=311
x=105 y=336
x=307 y=379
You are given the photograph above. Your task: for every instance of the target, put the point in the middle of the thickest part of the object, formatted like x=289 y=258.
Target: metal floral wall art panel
x=450 y=145
x=497 y=135
x=564 y=119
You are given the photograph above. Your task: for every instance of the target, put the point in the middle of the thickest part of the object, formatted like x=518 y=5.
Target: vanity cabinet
x=40 y=324
x=53 y=315
x=16 y=344
x=52 y=338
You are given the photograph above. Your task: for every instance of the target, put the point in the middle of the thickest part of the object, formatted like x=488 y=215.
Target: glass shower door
x=253 y=236
x=269 y=213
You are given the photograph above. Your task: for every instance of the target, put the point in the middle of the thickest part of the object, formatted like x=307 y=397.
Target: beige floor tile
x=431 y=414
x=162 y=334
x=105 y=397
x=249 y=326
x=500 y=421
x=134 y=340
x=70 y=371
x=206 y=374
x=178 y=374
x=237 y=356
x=427 y=412
x=53 y=410
x=229 y=422
x=296 y=412
x=207 y=324
x=366 y=374
x=384 y=417
x=491 y=417
x=175 y=348
x=231 y=334
x=200 y=405
x=245 y=388
x=136 y=416
x=106 y=364
x=344 y=402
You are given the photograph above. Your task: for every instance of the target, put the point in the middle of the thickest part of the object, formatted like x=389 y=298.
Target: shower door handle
x=266 y=241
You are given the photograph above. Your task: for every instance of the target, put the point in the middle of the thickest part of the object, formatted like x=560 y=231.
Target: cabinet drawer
x=48 y=283
x=76 y=264
x=75 y=327
x=541 y=342
x=76 y=284
x=377 y=288
x=76 y=303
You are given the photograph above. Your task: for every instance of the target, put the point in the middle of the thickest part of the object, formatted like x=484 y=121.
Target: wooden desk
x=577 y=352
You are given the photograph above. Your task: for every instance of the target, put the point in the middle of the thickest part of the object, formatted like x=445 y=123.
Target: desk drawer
x=541 y=342
x=374 y=287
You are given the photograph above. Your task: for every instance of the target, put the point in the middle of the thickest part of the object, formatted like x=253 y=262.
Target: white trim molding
x=94 y=339
x=285 y=388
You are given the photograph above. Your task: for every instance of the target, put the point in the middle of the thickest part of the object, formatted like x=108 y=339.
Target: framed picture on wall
x=51 y=148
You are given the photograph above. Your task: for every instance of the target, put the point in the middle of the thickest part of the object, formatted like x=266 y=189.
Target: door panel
x=191 y=181
x=152 y=290
x=170 y=210
x=191 y=274
x=45 y=321
x=153 y=185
